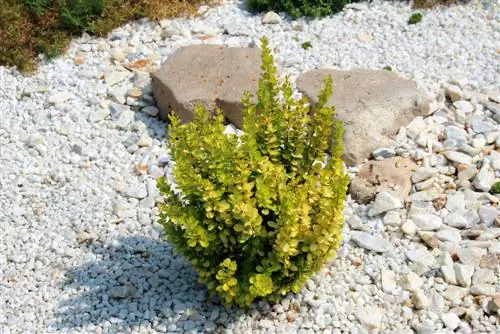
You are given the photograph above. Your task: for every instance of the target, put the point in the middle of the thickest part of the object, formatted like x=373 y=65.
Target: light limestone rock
x=455 y=293
x=483 y=276
x=449 y=274
x=371 y=242
x=454 y=93
x=423 y=173
x=60 y=97
x=448 y=234
x=422 y=256
x=392 y=218
x=427 y=222
x=388 y=280
x=471 y=255
x=450 y=320
x=409 y=227
x=464 y=274
x=370 y=317
x=271 y=18
x=482 y=290
x=458 y=157
x=420 y=300
x=412 y=281
x=485 y=178
x=384 y=202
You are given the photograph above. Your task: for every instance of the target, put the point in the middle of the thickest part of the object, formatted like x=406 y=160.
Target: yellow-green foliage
x=257 y=215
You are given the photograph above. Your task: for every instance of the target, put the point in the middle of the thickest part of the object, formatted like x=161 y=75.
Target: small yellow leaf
x=223 y=206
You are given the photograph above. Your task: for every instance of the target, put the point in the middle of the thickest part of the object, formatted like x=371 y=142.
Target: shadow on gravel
x=138 y=283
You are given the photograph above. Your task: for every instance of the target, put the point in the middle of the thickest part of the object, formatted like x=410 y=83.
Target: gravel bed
x=80 y=251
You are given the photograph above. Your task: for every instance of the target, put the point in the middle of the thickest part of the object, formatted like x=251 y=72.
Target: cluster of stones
x=424 y=191
x=428 y=182
x=433 y=188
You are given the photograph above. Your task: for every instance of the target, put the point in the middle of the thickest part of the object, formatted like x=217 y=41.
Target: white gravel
x=79 y=249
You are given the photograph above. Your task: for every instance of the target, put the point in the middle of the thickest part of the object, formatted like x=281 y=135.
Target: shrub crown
x=257 y=215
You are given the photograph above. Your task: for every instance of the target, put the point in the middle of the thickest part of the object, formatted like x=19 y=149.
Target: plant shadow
x=138 y=283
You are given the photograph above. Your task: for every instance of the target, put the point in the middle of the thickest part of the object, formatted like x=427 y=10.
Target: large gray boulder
x=372 y=104
x=212 y=75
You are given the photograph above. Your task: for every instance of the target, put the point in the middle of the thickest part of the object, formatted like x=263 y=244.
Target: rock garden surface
x=82 y=142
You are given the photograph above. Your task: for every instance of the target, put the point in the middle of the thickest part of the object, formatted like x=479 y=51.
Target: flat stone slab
x=371 y=242
x=212 y=75
x=372 y=104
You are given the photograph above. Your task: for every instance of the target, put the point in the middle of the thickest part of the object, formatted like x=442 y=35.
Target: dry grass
x=431 y=3
x=23 y=36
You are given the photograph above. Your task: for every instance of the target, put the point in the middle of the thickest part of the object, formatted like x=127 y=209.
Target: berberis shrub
x=257 y=214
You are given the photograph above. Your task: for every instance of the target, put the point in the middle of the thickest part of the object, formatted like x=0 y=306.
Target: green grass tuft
x=298 y=8
x=306 y=45
x=37 y=7
x=415 y=18
x=80 y=15
x=495 y=188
